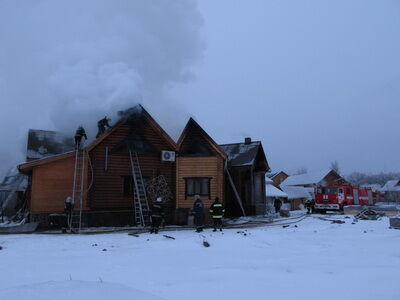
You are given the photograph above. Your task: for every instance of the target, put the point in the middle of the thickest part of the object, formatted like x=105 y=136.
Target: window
x=347 y=191
x=198 y=186
x=329 y=190
x=129 y=185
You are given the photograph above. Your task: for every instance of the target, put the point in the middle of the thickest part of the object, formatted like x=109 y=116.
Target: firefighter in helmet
x=217 y=211
x=79 y=134
x=101 y=125
x=308 y=205
x=157 y=215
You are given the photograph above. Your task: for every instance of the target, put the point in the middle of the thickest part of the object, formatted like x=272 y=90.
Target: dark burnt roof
x=242 y=154
x=273 y=174
x=44 y=143
x=14 y=181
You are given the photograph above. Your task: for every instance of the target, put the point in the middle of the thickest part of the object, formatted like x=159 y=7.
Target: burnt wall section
x=112 y=167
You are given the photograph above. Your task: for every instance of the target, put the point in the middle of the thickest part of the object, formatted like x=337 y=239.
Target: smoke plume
x=66 y=63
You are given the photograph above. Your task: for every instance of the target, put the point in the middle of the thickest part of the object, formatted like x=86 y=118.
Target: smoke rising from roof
x=66 y=63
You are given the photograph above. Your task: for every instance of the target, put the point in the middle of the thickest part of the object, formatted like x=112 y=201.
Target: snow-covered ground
x=315 y=260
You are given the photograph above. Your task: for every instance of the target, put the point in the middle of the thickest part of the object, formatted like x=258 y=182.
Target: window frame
x=198 y=179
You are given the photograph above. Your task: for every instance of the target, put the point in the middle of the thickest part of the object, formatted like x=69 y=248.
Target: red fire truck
x=334 y=197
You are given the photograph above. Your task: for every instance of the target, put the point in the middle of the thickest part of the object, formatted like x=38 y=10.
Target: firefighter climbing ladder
x=75 y=222
x=142 y=216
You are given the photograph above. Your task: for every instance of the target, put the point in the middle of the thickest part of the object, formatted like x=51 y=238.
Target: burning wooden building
x=110 y=186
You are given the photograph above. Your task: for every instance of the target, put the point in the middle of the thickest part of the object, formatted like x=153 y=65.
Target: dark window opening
x=347 y=191
x=197 y=148
x=198 y=186
x=136 y=142
x=129 y=185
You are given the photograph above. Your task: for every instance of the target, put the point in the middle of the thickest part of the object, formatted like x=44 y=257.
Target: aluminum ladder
x=141 y=205
x=75 y=221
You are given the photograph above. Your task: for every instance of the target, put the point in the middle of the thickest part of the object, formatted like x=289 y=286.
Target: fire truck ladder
x=75 y=221
x=142 y=212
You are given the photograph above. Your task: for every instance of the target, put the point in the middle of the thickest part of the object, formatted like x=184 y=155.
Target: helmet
x=159 y=199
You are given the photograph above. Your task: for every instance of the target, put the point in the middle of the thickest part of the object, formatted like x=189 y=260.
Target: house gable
x=194 y=141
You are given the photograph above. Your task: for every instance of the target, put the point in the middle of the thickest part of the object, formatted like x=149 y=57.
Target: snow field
x=315 y=260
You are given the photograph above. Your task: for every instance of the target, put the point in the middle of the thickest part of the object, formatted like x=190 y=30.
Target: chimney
x=247 y=140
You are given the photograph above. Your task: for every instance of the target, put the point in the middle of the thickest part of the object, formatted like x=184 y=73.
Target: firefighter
x=101 y=125
x=79 y=134
x=217 y=211
x=277 y=205
x=68 y=208
x=198 y=213
x=312 y=206
x=308 y=206
x=157 y=215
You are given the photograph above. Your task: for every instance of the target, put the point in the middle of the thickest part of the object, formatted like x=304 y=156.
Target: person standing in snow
x=198 y=213
x=79 y=134
x=157 y=215
x=101 y=125
x=68 y=208
x=308 y=206
x=277 y=205
x=312 y=206
x=217 y=211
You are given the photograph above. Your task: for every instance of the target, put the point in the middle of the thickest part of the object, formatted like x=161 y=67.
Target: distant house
x=272 y=193
x=374 y=187
x=391 y=186
x=277 y=177
x=390 y=191
x=314 y=179
x=297 y=195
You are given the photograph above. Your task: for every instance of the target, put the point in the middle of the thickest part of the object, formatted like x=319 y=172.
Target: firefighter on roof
x=157 y=215
x=217 y=211
x=79 y=134
x=101 y=125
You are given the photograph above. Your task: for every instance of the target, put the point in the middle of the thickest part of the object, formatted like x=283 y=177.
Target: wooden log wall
x=107 y=192
x=212 y=166
x=51 y=184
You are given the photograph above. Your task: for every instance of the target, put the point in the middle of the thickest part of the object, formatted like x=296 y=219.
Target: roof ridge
x=252 y=142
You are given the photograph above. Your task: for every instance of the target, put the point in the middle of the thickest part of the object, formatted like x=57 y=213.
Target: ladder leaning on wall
x=75 y=221
x=141 y=205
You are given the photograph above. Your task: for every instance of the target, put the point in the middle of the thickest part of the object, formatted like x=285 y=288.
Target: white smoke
x=65 y=63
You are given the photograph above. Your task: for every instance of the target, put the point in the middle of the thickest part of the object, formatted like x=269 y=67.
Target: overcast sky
x=315 y=80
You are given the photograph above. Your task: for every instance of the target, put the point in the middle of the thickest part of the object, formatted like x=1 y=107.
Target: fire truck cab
x=335 y=197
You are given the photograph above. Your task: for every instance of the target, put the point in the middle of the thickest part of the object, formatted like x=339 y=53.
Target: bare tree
x=380 y=178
